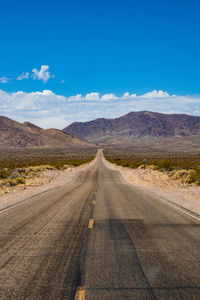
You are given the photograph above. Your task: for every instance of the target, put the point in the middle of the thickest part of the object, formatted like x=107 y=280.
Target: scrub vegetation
x=179 y=166
x=16 y=166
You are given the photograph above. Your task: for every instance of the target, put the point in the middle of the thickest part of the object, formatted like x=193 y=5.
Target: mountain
x=28 y=135
x=135 y=125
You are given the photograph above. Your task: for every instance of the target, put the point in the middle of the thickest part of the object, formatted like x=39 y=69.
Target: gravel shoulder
x=48 y=180
x=160 y=185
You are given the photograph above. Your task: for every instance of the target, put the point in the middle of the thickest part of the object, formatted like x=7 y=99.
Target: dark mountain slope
x=27 y=135
x=136 y=125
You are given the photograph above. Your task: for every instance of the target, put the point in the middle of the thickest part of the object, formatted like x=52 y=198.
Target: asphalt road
x=98 y=238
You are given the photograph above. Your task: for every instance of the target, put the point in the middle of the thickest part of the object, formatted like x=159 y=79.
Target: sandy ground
x=47 y=180
x=161 y=185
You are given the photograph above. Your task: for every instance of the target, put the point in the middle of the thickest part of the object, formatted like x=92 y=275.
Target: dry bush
x=37 y=169
x=14 y=182
x=10 y=182
x=20 y=180
x=4 y=172
x=183 y=175
x=149 y=167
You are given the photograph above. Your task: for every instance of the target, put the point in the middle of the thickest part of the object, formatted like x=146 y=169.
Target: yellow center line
x=90 y=225
x=93 y=202
x=80 y=293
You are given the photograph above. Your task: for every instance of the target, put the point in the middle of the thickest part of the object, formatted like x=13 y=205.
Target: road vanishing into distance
x=98 y=238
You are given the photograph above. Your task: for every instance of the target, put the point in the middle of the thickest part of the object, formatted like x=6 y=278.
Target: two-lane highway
x=98 y=238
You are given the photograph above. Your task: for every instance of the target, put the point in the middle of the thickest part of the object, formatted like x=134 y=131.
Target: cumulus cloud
x=78 y=97
x=24 y=75
x=109 y=97
x=42 y=74
x=92 y=96
x=155 y=94
x=127 y=95
x=4 y=79
x=47 y=109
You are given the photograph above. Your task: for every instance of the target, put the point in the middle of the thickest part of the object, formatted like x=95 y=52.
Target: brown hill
x=135 y=125
x=28 y=135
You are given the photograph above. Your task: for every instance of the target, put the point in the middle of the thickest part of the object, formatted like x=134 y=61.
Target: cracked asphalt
x=98 y=238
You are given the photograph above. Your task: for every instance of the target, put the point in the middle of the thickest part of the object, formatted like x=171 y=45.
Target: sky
x=64 y=61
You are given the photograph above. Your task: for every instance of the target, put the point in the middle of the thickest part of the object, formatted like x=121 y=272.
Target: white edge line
x=166 y=201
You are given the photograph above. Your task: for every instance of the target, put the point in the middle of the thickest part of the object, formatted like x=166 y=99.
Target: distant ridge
x=135 y=125
x=27 y=135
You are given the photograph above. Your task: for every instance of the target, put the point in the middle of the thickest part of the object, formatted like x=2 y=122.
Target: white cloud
x=46 y=109
x=92 y=96
x=23 y=76
x=109 y=97
x=155 y=94
x=42 y=74
x=4 y=79
x=78 y=97
x=29 y=102
x=127 y=95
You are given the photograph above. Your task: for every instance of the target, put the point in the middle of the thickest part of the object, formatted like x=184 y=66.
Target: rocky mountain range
x=135 y=125
x=27 y=135
x=123 y=130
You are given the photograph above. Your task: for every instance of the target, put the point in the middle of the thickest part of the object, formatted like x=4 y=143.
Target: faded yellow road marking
x=90 y=225
x=80 y=293
x=93 y=202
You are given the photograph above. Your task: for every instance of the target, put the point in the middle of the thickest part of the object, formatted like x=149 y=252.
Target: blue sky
x=83 y=47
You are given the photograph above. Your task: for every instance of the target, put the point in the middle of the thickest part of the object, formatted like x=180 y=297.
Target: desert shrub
x=20 y=180
x=195 y=176
x=149 y=167
x=4 y=173
x=125 y=164
x=164 y=165
x=141 y=167
x=184 y=175
x=10 y=182
x=48 y=167
x=180 y=174
x=14 y=182
x=36 y=169
x=58 y=165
